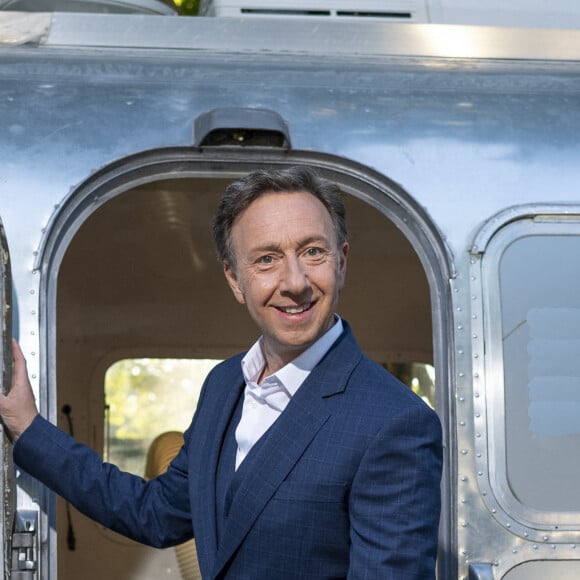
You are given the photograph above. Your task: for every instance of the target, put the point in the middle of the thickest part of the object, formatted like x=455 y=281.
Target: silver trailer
x=458 y=150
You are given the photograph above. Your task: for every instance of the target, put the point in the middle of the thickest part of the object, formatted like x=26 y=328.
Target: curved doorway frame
x=354 y=179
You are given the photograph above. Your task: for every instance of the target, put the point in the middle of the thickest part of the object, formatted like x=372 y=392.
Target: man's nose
x=294 y=278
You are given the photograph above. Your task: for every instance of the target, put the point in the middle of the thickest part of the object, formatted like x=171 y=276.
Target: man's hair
x=239 y=195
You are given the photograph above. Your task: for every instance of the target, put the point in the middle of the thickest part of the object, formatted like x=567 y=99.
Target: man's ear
x=232 y=279
x=342 y=256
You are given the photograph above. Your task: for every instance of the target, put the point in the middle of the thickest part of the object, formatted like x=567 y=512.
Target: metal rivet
x=462 y=423
x=460 y=327
x=460 y=351
x=476 y=375
x=478 y=415
x=535 y=546
x=480 y=473
x=476 y=395
x=478 y=434
x=462 y=399
x=464 y=452
x=461 y=374
x=493 y=510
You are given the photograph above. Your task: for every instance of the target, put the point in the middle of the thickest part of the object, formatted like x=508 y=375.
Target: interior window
x=145 y=397
x=419 y=377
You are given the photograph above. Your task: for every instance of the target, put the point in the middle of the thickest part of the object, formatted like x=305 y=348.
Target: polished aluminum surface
x=303 y=36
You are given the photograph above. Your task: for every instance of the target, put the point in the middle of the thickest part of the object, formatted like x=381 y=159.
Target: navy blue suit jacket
x=346 y=483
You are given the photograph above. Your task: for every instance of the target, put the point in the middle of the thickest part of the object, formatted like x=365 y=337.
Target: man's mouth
x=296 y=309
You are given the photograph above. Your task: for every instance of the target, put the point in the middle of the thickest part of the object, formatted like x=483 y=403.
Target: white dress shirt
x=264 y=403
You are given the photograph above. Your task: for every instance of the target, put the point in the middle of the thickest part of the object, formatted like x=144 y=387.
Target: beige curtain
x=163 y=449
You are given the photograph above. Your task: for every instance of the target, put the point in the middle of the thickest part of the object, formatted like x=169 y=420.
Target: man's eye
x=314 y=252
x=265 y=260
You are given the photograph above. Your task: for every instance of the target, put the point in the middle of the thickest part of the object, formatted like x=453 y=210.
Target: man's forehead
x=283 y=197
x=263 y=227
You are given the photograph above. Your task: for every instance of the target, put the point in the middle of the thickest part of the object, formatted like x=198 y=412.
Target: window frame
x=489 y=397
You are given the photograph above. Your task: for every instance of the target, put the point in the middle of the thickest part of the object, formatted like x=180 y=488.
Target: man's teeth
x=296 y=309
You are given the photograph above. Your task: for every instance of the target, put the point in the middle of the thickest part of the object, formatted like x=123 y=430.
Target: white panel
x=396 y=10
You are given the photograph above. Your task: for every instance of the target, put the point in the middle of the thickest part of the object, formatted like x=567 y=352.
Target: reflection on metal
x=480 y=571
x=92 y=6
x=17 y=28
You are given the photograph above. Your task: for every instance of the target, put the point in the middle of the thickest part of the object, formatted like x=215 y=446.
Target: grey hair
x=239 y=195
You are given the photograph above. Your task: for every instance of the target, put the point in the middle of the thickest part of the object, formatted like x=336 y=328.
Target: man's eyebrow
x=314 y=239
x=273 y=247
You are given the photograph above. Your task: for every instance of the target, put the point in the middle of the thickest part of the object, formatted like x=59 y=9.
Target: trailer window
x=540 y=291
x=145 y=397
x=533 y=376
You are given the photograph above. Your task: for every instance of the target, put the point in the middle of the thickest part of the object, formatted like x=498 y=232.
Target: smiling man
x=304 y=460
x=288 y=268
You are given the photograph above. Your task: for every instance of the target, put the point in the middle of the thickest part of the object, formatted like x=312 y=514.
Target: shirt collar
x=296 y=371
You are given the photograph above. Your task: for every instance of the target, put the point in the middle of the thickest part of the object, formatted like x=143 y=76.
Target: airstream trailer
x=457 y=149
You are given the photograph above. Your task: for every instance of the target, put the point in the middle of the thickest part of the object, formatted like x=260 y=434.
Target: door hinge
x=24 y=563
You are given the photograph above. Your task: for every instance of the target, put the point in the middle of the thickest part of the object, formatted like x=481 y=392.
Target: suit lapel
x=225 y=390
x=286 y=442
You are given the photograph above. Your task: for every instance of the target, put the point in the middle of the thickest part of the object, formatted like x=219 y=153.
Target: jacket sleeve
x=156 y=512
x=395 y=500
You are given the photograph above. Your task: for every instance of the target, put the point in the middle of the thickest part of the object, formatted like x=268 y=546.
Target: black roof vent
x=244 y=127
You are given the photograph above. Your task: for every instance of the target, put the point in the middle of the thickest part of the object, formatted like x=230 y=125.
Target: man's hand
x=18 y=407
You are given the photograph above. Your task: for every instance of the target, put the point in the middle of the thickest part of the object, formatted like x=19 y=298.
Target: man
x=304 y=460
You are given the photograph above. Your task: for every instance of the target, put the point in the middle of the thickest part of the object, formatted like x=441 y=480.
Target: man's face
x=289 y=271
